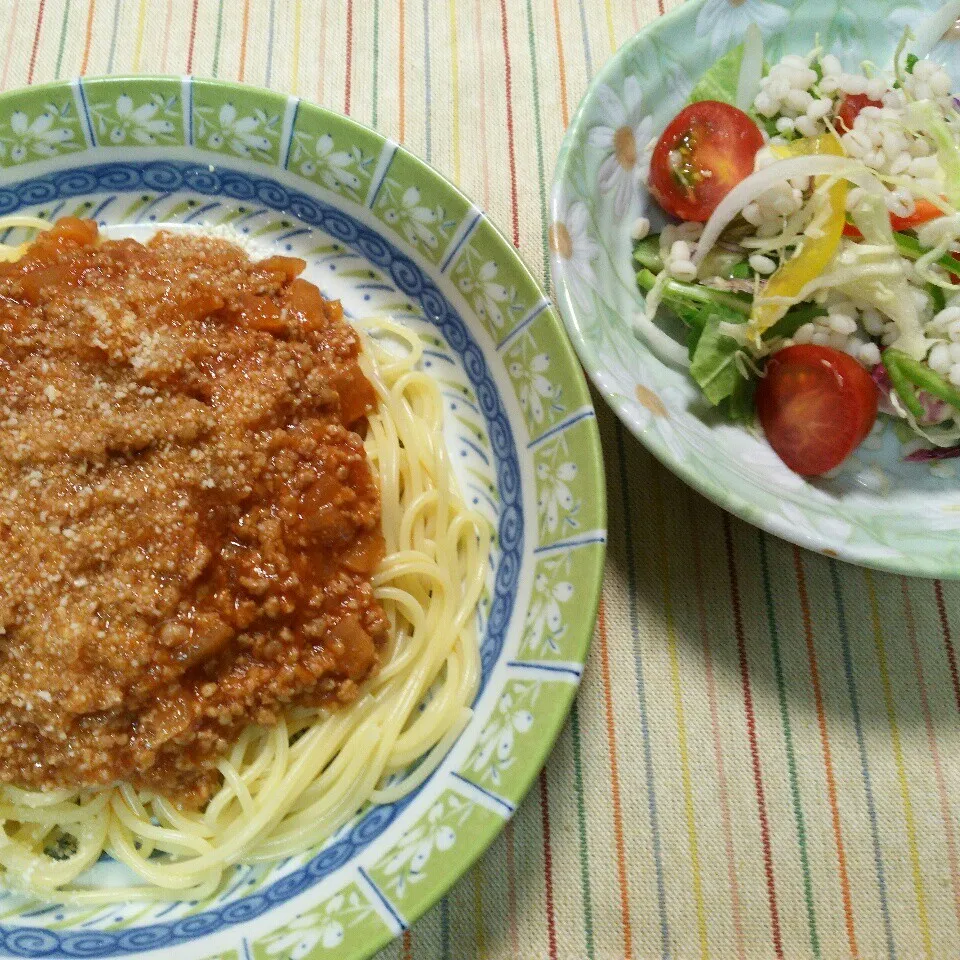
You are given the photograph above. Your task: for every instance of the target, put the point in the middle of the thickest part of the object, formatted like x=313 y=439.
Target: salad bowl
x=876 y=509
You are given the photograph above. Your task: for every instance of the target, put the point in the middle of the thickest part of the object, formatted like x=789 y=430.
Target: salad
x=815 y=255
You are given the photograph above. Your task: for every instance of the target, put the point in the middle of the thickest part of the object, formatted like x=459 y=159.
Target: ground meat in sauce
x=188 y=521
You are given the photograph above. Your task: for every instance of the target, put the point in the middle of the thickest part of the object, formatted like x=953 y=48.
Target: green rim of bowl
x=96 y=119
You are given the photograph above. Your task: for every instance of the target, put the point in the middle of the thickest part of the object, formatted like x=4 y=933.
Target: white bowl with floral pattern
x=387 y=235
x=876 y=509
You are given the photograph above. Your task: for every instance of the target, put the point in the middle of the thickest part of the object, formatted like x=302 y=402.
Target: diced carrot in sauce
x=61 y=275
x=357 y=653
x=208 y=634
x=305 y=299
x=365 y=554
x=357 y=396
x=286 y=267
x=263 y=313
x=255 y=312
x=322 y=508
x=68 y=233
x=200 y=306
x=325 y=489
x=72 y=230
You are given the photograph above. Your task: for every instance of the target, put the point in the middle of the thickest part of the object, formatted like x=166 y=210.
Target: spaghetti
x=287 y=787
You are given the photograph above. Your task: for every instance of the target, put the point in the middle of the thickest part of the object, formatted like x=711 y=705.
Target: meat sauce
x=188 y=521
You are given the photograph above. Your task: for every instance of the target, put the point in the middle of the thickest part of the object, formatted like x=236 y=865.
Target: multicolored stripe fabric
x=764 y=760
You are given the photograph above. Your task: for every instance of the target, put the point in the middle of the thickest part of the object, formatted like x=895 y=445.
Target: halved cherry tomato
x=852 y=104
x=706 y=150
x=816 y=405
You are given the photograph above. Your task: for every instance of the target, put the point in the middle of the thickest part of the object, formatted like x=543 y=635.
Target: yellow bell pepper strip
x=815 y=250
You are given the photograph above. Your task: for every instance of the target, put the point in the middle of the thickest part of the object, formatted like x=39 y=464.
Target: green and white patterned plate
x=875 y=510
x=386 y=234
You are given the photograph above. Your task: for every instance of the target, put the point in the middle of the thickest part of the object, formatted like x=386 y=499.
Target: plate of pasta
x=302 y=509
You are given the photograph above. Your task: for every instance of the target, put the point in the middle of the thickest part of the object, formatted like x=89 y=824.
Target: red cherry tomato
x=816 y=405
x=707 y=149
x=852 y=104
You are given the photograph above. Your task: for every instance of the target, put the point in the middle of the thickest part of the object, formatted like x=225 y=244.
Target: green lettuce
x=720 y=81
x=714 y=365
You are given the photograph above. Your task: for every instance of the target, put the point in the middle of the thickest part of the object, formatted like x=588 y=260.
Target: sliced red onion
x=932 y=453
x=881 y=378
x=934 y=410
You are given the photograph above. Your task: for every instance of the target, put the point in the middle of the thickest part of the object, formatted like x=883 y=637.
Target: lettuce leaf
x=713 y=364
x=720 y=81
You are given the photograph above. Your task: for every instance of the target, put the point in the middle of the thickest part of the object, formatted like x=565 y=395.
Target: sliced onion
x=751 y=67
x=663 y=346
x=931 y=31
x=760 y=182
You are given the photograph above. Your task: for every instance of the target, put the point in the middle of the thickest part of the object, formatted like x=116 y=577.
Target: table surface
x=764 y=759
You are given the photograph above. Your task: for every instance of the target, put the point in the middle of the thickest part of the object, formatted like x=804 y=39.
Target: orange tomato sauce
x=188 y=520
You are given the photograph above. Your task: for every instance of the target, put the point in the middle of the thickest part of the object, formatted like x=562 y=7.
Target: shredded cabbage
x=759 y=182
x=891 y=295
x=925 y=116
x=846 y=278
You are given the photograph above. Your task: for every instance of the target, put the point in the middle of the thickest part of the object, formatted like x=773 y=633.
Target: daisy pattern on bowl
x=726 y=21
x=420 y=224
x=513 y=717
x=648 y=404
x=319 y=929
x=147 y=123
x=819 y=529
x=528 y=368
x=557 y=503
x=546 y=624
x=623 y=134
x=908 y=15
x=41 y=136
x=661 y=70
x=496 y=303
x=335 y=169
x=653 y=410
x=572 y=249
x=250 y=135
x=435 y=833
x=489 y=295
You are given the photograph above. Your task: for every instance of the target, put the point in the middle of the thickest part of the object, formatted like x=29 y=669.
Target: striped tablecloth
x=764 y=760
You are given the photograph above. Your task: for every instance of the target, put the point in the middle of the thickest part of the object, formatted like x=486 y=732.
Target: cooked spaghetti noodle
x=287 y=787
